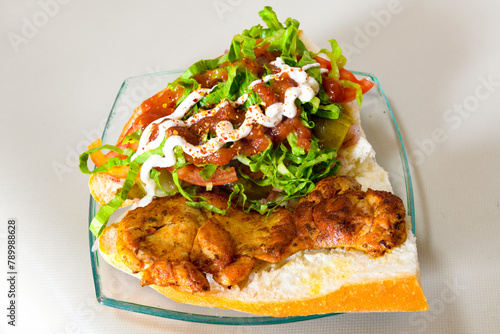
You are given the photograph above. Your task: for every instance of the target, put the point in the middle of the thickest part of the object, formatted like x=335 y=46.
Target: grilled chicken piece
x=229 y=246
x=170 y=243
x=337 y=213
x=156 y=240
x=214 y=253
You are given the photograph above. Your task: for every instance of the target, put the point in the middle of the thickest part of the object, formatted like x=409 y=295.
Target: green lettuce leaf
x=207 y=171
x=102 y=217
x=134 y=137
x=337 y=60
x=290 y=169
x=241 y=46
x=84 y=157
x=357 y=87
x=270 y=18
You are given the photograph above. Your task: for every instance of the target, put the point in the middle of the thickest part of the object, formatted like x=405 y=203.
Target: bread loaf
x=318 y=281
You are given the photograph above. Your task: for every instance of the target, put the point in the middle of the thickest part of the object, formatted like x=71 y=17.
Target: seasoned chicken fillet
x=229 y=246
x=172 y=244
x=156 y=240
x=337 y=213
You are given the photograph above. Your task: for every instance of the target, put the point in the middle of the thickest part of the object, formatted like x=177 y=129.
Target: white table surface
x=62 y=63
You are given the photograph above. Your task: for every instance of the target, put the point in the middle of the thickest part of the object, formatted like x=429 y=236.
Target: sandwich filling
x=302 y=86
x=171 y=244
x=263 y=123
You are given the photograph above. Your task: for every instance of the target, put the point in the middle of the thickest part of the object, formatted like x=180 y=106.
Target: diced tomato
x=349 y=94
x=191 y=174
x=323 y=63
x=333 y=89
x=365 y=84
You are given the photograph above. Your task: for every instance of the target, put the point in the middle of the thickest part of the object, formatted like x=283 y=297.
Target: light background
x=62 y=63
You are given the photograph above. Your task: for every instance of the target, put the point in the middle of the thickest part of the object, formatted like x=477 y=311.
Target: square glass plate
x=117 y=289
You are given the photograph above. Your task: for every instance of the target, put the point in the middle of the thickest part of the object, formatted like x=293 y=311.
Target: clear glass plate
x=117 y=289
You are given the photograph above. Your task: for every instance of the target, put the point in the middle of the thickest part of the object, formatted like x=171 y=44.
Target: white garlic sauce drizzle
x=307 y=88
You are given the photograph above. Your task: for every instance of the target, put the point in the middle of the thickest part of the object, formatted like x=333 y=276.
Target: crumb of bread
x=363 y=166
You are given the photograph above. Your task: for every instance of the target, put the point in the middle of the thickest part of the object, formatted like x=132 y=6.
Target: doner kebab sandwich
x=252 y=187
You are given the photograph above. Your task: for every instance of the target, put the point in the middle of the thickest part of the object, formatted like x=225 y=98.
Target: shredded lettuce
x=357 y=87
x=134 y=137
x=290 y=169
x=102 y=217
x=236 y=85
x=307 y=59
x=199 y=202
x=287 y=167
x=202 y=66
x=241 y=46
x=270 y=18
x=279 y=37
x=292 y=139
x=207 y=171
x=337 y=60
x=84 y=157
